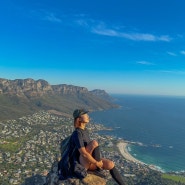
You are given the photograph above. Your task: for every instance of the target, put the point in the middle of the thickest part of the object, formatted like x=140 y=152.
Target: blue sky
x=121 y=46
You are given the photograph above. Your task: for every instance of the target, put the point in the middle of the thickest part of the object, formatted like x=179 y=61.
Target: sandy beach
x=122 y=146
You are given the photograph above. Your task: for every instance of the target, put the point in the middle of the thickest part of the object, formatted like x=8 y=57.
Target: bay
x=158 y=122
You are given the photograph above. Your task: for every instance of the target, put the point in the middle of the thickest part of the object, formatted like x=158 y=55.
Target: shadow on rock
x=35 y=180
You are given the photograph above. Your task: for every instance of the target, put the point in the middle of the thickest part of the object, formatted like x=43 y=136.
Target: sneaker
x=98 y=172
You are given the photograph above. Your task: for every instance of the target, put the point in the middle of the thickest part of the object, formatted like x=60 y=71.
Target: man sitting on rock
x=87 y=151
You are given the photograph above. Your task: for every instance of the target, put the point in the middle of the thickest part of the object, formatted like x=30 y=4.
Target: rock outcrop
x=90 y=179
x=30 y=88
x=26 y=87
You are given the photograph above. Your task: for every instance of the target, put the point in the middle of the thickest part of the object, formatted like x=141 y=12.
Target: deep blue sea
x=156 y=121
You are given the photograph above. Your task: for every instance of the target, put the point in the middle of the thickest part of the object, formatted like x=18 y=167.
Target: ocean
x=157 y=122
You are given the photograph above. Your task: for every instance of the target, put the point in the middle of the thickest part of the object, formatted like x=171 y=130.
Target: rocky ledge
x=90 y=179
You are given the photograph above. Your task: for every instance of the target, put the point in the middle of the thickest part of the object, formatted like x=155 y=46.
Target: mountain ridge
x=25 y=96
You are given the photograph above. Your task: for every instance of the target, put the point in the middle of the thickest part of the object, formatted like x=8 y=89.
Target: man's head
x=78 y=112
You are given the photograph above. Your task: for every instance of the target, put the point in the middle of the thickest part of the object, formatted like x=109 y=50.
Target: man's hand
x=99 y=164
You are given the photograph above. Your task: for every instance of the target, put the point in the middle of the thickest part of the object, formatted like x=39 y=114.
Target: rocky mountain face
x=102 y=94
x=31 y=88
x=25 y=96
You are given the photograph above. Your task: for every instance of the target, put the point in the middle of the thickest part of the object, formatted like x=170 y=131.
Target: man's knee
x=110 y=165
x=91 y=146
x=94 y=143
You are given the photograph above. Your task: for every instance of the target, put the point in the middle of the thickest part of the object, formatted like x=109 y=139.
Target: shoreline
x=122 y=146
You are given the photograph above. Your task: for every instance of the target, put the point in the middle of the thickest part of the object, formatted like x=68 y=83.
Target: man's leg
x=89 y=148
x=109 y=165
x=96 y=153
x=117 y=177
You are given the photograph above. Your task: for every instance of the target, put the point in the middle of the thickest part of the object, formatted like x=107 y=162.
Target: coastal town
x=31 y=144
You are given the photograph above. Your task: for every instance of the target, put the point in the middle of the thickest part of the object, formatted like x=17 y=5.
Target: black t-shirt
x=80 y=138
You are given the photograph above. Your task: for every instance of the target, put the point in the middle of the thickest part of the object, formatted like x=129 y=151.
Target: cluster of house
x=31 y=144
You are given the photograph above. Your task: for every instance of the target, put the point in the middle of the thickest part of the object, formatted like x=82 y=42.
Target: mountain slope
x=25 y=96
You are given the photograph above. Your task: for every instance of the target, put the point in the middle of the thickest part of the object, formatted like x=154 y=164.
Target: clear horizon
x=130 y=47
x=156 y=122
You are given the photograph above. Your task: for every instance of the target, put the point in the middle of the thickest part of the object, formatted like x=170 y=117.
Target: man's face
x=84 y=118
